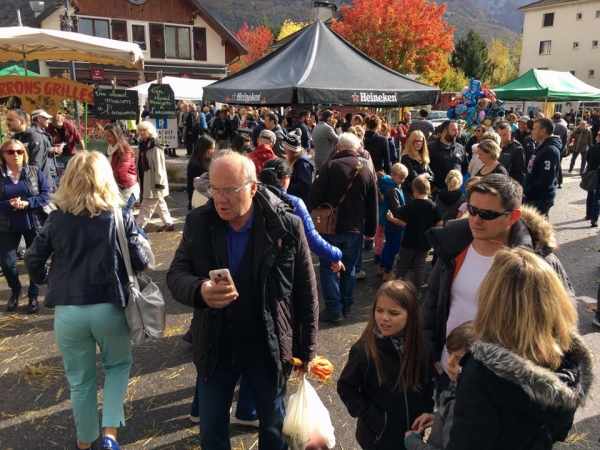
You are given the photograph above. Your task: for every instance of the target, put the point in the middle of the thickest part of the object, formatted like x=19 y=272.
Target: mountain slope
x=490 y=18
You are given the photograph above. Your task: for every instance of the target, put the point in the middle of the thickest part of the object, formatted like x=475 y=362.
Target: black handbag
x=589 y=181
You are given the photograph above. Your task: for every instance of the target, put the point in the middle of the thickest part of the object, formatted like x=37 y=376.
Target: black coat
x=285 y=284
x=379 y=149
x=513 y=160
x=381 y=410
x=504 y=401
x=444 y=159
x=415 y=168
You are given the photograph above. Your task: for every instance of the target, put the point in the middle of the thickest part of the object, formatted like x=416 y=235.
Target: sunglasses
x=486 y=214
x=12 y=152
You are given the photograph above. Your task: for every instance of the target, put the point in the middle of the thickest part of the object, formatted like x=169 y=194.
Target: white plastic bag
x=307 y=425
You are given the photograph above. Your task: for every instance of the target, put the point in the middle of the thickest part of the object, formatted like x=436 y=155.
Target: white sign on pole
x=167 y=132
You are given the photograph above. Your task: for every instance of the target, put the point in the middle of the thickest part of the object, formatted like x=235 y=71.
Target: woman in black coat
x=521 y=384
x=416 y=159
x=198 y=163
x=377 y=145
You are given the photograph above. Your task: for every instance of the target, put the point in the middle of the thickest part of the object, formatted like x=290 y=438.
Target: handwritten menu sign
x=162 y=101
x=117 y=104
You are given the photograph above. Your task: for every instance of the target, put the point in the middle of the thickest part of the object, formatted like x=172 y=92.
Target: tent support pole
x=85 y=131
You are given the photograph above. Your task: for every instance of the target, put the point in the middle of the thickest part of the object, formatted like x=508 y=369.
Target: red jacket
x=124 y=168
x=259 y=156
x=72 y=137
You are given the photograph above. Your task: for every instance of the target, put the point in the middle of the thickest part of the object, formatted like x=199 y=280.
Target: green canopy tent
x=547 y=86
x=17 y=70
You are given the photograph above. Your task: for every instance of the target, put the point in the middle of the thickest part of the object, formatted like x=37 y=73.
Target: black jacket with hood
x=285 y=284
x=531 y=231
x=505 y=401
x=384 y=412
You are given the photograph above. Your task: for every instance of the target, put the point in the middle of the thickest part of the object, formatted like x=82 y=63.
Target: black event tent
x=318 y=67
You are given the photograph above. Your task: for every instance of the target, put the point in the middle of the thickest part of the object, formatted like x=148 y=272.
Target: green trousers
x=78 y=330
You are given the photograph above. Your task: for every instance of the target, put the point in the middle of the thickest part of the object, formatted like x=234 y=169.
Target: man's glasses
x=12 y=152
x=486 y=214
x=226 y=192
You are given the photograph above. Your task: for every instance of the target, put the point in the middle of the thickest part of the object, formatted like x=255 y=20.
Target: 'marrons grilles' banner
x=45 y=93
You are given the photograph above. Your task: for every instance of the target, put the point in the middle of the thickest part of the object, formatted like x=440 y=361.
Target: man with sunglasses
x=251 y=329
x=465 y=250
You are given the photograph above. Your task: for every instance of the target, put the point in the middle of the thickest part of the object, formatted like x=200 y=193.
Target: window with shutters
x=177 y=43
x=138 y=36
x=94 y=27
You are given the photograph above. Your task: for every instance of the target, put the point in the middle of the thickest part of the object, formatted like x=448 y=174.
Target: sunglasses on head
x=12 y=152
x=486 y=214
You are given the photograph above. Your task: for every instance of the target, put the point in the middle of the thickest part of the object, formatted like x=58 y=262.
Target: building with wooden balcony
x=178 y=37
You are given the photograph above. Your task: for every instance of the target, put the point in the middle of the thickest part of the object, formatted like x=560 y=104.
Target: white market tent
x=187 y=89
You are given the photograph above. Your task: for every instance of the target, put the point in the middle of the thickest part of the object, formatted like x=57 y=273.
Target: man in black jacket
x=446 y=154
x=542 y=176
x=512 y=156
x=221 y=130
x=251 y=329
x=344 y=176
x=36 y=140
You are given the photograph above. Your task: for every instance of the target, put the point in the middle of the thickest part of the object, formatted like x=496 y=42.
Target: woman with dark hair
x=377 y=145
x=199 y=162
x=242 y=143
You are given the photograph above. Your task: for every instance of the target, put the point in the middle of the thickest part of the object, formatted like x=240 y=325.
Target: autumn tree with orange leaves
x=408 y=36
x=256 y=41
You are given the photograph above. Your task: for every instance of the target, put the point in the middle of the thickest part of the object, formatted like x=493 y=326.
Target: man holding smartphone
x=251 y=329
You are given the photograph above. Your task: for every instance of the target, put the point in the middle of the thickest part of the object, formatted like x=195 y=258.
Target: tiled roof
x=546 y=3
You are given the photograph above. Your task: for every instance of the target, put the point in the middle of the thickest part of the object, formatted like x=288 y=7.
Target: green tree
x=453 y=80
x=471 y=56
x=502 y=69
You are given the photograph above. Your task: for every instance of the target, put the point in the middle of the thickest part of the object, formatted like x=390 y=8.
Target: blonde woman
x=528 y=370
x=152 y=174
x=85 y=284
x=475 y=164
x=489 y=152
x=416 y=159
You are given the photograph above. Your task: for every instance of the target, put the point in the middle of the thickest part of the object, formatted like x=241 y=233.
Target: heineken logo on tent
x=243 y=97
x=364 y=97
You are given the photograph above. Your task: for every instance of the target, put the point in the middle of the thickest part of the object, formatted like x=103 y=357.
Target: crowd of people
x=480 y=204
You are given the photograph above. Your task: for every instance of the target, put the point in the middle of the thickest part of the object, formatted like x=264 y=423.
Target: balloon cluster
x=477 y=104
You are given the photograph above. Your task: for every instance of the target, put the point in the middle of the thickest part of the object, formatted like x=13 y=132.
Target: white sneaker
x=248 y=423
x=194 y=419
x=361 y=275
x=596 y=321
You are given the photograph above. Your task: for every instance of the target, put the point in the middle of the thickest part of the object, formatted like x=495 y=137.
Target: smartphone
x=222 y=276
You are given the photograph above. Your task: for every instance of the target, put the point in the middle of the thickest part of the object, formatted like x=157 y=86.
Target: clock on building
x=138 y=2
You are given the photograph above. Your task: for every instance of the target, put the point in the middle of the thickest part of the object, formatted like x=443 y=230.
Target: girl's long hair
x=524 y=307
x=414 y=360
x=423 y=155
x=200 y=152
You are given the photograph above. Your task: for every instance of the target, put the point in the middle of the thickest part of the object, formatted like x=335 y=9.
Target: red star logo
x=355 y=97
